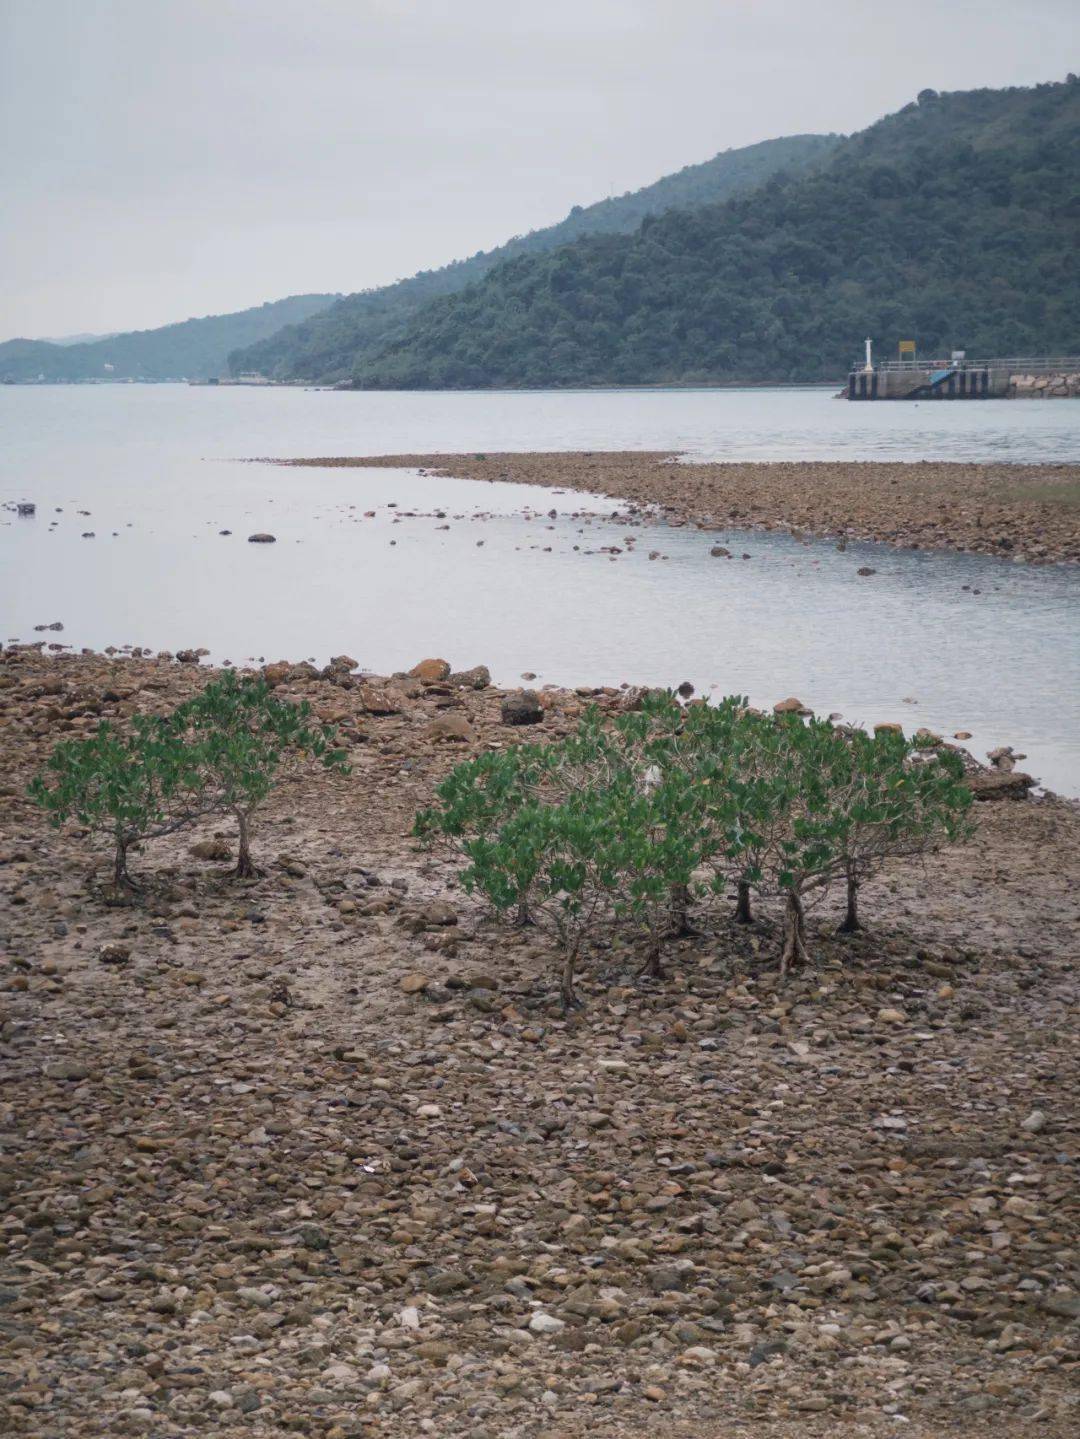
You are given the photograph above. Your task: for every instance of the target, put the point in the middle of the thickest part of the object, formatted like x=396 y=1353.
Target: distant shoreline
x=1016 y=512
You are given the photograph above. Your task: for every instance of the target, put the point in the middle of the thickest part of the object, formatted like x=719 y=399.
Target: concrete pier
x=967 y=379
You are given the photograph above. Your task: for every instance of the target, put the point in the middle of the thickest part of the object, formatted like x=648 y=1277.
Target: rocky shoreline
x=316 y=1152
x=1021 y=513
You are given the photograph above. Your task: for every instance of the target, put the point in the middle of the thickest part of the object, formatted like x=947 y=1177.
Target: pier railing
x=1016 y=364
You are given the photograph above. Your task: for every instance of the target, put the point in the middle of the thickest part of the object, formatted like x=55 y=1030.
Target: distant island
x=191 y=350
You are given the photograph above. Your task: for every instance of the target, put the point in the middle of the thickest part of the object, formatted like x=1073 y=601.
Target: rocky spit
x=316 y=1153
x=1023 y=513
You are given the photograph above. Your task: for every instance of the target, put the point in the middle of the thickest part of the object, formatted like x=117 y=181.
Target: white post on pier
x=869 y=361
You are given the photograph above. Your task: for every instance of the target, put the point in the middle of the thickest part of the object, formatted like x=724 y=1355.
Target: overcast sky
x=167 y=158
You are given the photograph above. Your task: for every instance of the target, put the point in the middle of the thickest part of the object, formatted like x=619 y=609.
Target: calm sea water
x=390 y=567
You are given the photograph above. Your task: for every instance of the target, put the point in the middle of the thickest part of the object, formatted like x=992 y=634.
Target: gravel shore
x=316 y=1153
x=1023 y=513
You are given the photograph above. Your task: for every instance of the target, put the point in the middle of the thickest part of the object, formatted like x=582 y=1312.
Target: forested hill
x=954 y=222
x=193 y=349
x=328 y=346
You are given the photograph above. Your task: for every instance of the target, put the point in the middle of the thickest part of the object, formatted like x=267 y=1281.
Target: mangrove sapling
x=668 y=840
x=857 y=801
x=243 y=735
x=560 y=857
x=902 y=801
x=131 y=786
x=479 y=796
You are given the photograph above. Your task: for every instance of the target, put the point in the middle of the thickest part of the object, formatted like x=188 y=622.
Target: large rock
x=1000 y=784
x=478 y=678
x=522 y=707
x=378 y=700
x=430 y=671
x=791 y=706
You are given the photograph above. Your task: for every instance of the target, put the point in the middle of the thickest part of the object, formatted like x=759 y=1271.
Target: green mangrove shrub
x=128 y=786
x=241 y=736
x=218 y=753
x=632 y=823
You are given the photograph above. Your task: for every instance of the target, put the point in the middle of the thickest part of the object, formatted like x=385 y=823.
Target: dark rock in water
x=522 y=707
x=718 y=552
x=188 y=657
x=1000 y=784
x=26 y=508
x=865 y=570
x=262 y=539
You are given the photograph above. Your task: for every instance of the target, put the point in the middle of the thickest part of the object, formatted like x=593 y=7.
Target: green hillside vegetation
x=327 y=347
x=954 y=222
x=193 y=349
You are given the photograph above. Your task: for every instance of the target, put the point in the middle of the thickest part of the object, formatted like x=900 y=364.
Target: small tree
x=843 y=803
x=558 y=859
x=131 y=786
x=478 y=797
x=901 y=800
x=241 y=735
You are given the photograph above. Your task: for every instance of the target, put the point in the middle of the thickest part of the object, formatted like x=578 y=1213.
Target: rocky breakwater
x=1028 y=513
x=1062 y=386
x=316 y=1153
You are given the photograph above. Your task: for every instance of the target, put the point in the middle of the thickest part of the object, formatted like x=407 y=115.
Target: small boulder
x=522 y=707
x=262 y=539
x=865 y=570
x=478 y=678
x=791 y=706
x=114 y=953
x=719 y=552
x=438 y=912
x=375 y=700
x=451 y=726
x=1000 y=784
x=430 y=671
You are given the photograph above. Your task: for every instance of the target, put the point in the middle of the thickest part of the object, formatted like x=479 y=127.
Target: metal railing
x=1017 y=365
